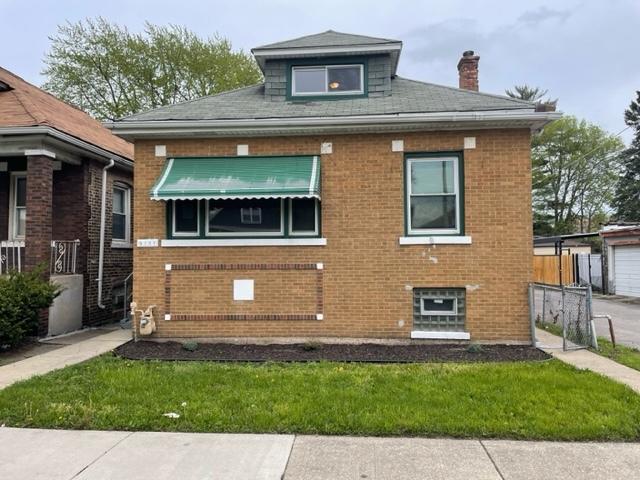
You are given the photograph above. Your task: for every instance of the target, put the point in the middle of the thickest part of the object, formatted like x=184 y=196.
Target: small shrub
x=22 y=297
x=191 y=346
x=475 y=348
x=311 y=346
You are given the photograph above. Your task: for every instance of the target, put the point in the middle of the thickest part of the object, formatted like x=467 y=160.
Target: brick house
x=53 y=160
x=336 y=199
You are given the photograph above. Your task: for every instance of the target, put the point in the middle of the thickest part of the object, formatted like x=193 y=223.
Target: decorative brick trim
x=245 y=266
x=319 y=267
x=208 y=316
x=167 y=292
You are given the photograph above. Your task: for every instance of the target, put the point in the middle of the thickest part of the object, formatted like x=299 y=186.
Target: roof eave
x=337 y=125
x=263 y=54
x=89 y=149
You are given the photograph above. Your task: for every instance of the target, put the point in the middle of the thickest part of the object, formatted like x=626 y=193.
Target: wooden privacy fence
x=546 y=269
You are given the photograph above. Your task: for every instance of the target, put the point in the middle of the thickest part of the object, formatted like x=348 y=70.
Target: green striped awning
x=238 y=177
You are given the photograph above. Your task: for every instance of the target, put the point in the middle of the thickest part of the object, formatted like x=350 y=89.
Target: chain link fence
x=564 y=311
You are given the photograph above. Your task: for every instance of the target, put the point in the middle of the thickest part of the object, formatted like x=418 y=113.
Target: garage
x=627 y=270
x=623 y=251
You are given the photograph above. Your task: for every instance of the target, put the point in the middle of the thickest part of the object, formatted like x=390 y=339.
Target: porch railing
x=64 y=256
x=11 y=256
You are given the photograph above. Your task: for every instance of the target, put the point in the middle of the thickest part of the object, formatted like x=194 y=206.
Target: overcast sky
x=584 y=51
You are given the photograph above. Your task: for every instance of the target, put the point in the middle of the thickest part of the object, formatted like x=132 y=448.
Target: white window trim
x=13 y=207
x=245 y=242
x=246 y=234
x=303 y=233
x=456 y=185
x=326 y=68
x=438 y=335
x=450 y=313
x=127 y=215
x=173 y=221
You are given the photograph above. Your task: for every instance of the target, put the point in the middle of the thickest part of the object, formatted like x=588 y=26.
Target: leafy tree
x=110 y=72
x=627 y=197
x=575 y=167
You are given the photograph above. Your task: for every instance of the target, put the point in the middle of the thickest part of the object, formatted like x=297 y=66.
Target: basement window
x=439 y=309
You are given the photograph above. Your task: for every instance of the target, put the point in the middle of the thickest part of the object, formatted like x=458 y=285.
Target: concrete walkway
x=75 y=352
x=584 y=359
x=79 y=455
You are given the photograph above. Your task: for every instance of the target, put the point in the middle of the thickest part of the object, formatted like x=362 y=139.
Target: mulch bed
x=226 y=352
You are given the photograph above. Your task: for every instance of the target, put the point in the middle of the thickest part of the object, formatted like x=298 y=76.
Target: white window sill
x=436 y=240
x=441 y=335
x=246 y=242
x=115 y=244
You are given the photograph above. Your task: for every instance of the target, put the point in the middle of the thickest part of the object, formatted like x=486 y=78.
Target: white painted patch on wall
x=320 y=266
x=161 y=150
x=408 y=287
x=243 y=289
x=433 y=259
x=326 y=148
x=242 y=150
x=469 y=143
x=397 y=145
x=167 y=266
x=401 y=323
x=319 y=316
x=167 y=316
x=471 y=288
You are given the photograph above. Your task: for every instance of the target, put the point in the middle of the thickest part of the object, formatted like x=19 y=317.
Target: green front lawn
x=535 y=400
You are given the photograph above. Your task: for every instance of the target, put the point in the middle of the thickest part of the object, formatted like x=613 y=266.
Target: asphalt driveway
x=626 y=320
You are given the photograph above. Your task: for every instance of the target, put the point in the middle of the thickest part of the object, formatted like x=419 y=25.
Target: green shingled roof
x=409 y=96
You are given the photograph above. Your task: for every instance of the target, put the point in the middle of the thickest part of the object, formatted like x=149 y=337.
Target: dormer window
x=327 y=80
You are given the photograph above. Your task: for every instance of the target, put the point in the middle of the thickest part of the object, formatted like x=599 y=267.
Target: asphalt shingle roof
x=330 y=38
x=25 y=105
x=409 y=96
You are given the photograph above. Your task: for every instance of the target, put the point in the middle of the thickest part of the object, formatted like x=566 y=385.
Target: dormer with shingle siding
x=330 y=65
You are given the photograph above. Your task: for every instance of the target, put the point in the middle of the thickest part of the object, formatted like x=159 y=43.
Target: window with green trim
x=245 y=218
x=434 y=194
x=316 y=80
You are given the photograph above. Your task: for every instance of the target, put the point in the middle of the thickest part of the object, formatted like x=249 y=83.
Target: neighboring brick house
x=52 y=164
x=336 y=199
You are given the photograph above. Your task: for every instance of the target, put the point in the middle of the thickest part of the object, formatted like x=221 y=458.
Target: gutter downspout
x=103 y=214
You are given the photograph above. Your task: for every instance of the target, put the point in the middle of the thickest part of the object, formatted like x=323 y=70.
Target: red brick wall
x=117 y=261
x=368 y=277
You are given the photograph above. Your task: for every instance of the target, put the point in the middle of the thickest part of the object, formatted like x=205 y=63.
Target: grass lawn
x=535 y=400
x=622 y=354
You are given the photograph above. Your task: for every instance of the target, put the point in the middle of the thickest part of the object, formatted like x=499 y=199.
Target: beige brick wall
x=367 y=275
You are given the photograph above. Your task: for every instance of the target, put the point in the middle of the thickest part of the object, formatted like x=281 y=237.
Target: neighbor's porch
x=42 y=218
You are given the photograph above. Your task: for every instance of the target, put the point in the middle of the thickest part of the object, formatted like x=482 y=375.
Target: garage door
x=627 y=270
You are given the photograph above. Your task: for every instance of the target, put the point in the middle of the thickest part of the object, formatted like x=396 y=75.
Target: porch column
x=39 y=212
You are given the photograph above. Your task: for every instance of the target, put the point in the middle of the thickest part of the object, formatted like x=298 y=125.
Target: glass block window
x=439 y=309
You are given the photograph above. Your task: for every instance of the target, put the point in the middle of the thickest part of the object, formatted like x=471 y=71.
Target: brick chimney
x=468 y=70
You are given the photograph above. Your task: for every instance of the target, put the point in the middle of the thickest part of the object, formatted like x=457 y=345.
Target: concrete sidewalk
x=75 y=352
x=65 y=455
x=584 y=359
